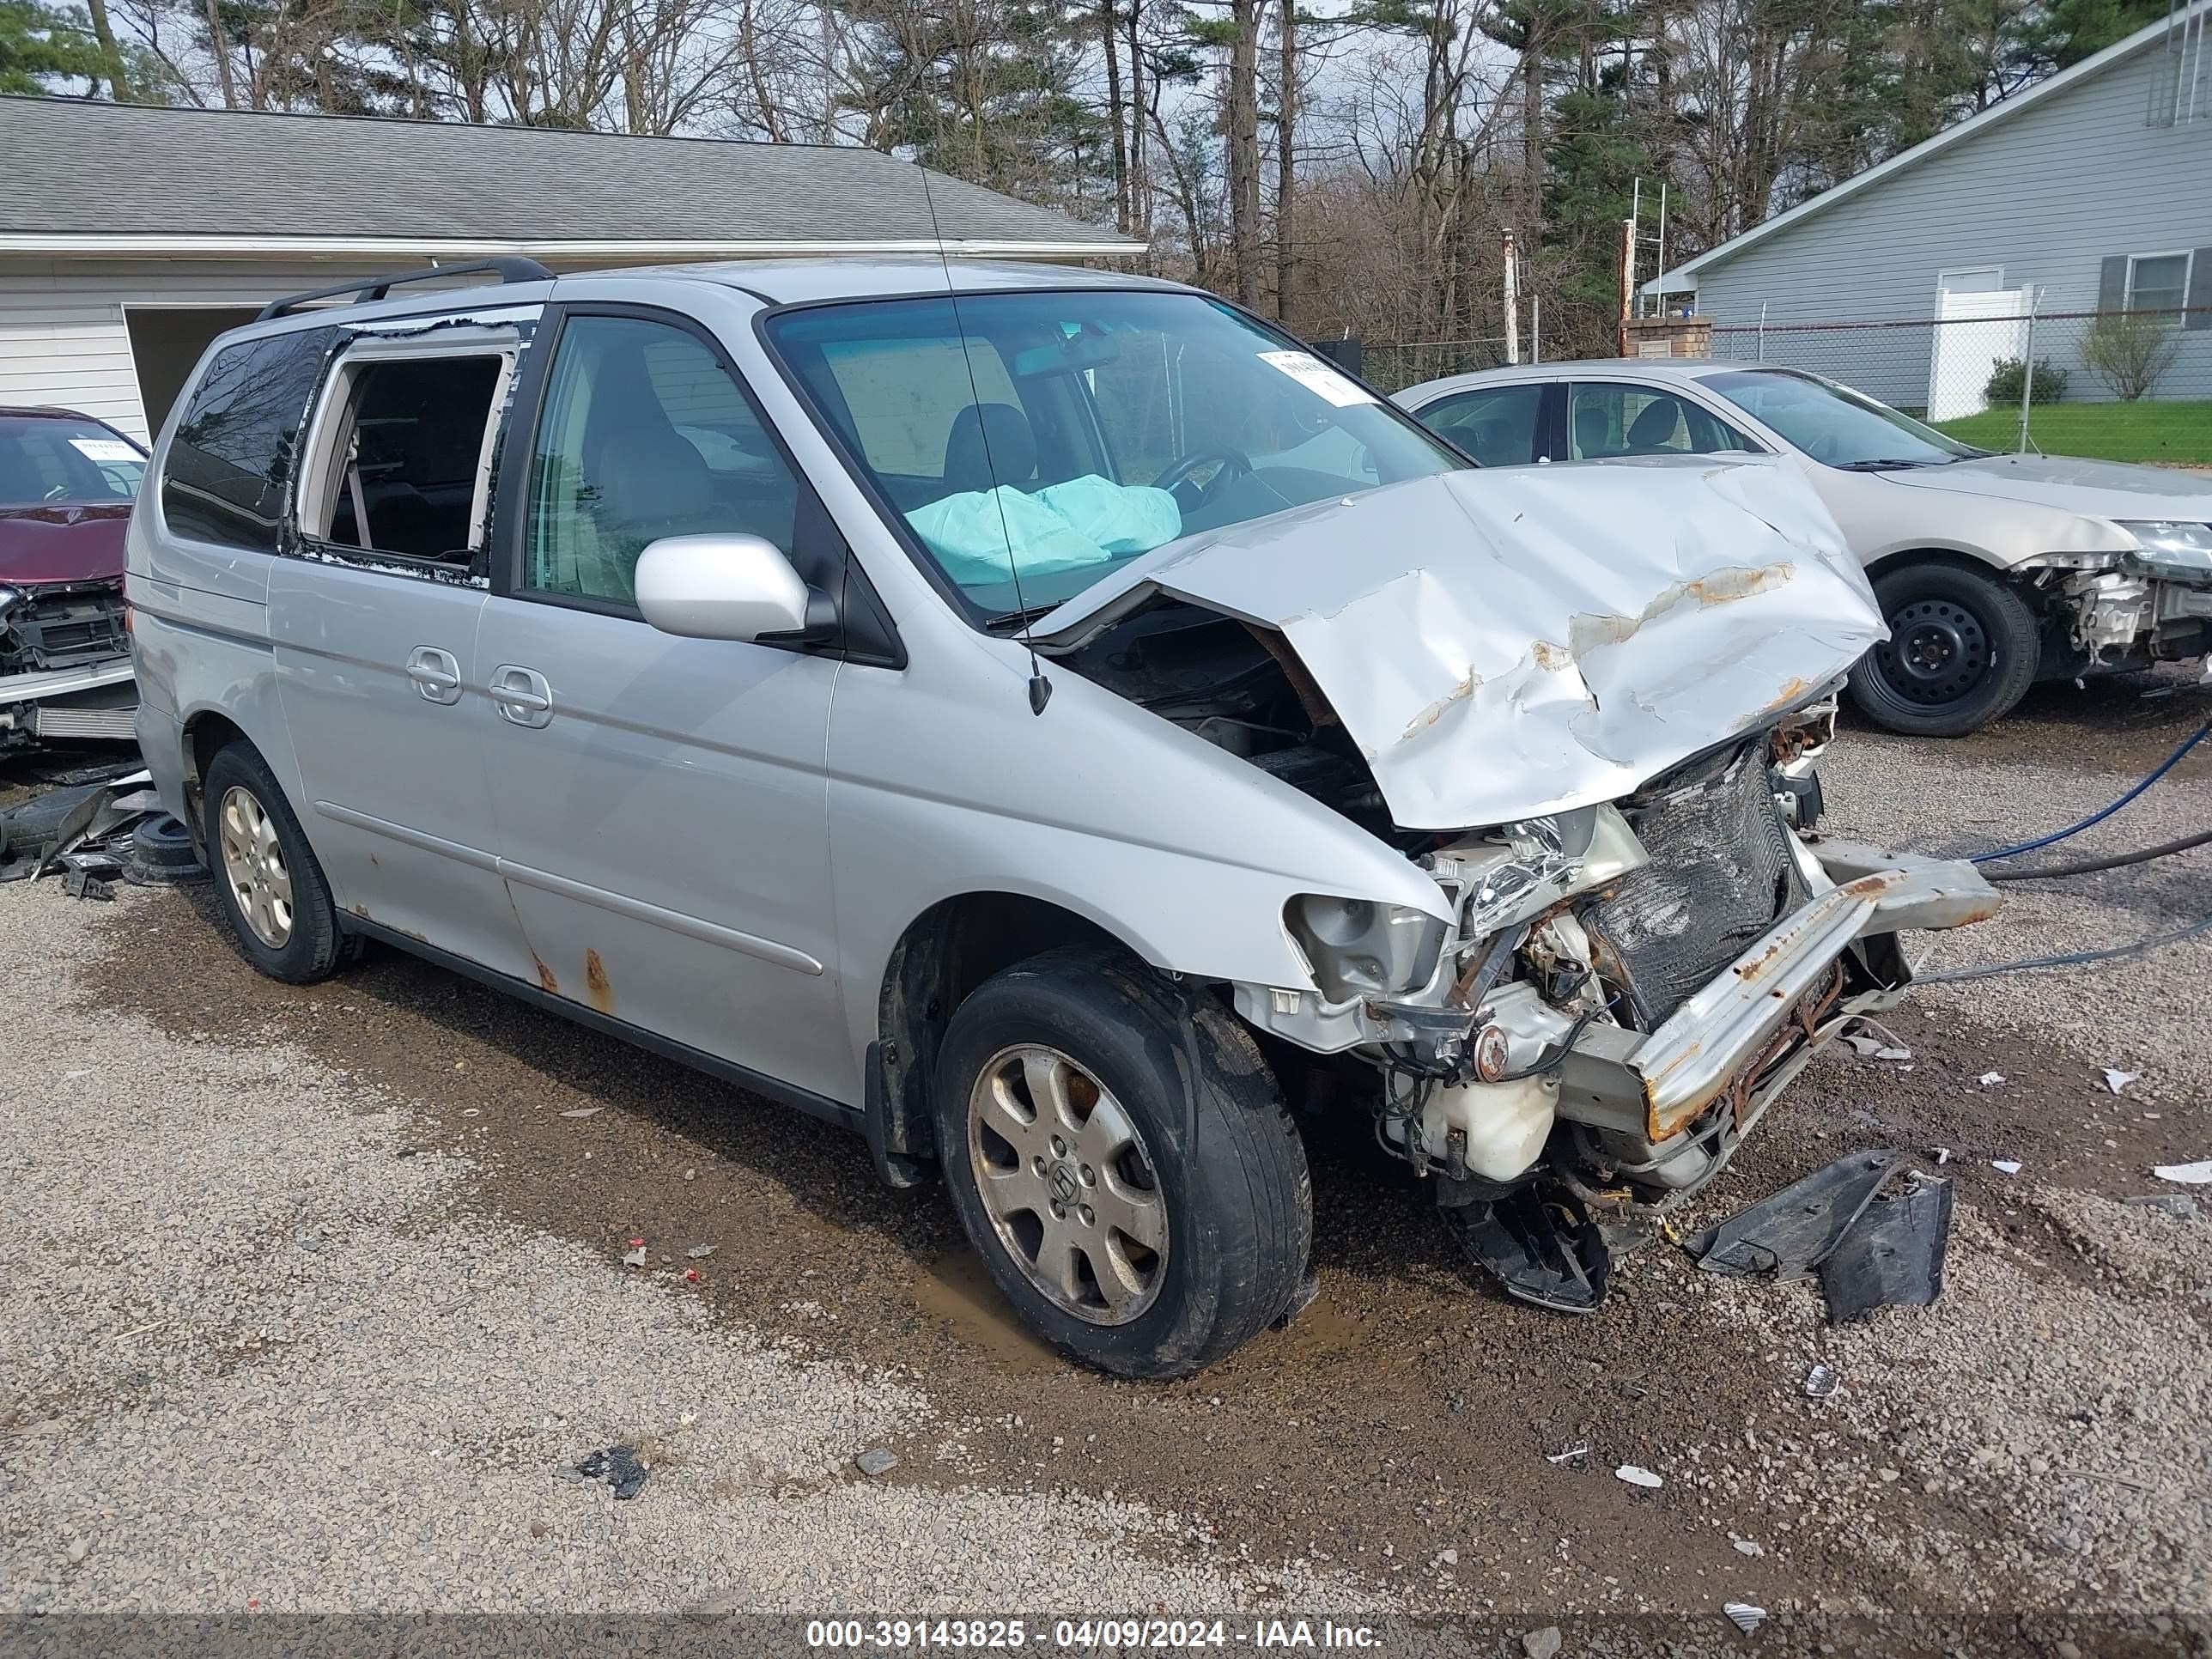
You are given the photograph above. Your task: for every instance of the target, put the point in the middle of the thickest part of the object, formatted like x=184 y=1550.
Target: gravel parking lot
x=317 y=1292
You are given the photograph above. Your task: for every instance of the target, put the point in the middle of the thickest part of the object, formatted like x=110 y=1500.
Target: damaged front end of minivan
x=1586 y=703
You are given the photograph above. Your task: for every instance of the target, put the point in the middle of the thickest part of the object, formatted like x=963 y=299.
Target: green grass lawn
x=2147 y=430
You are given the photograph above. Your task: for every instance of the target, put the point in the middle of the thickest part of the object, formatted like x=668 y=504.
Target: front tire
x=1068 y=1089
x=1963 y=650
x=274 y=893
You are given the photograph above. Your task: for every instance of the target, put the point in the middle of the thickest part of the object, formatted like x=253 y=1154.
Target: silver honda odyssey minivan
x=1046 y=720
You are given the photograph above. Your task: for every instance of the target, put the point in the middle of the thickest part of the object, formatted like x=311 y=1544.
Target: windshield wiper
x=1884 y=465
x=1009 y=621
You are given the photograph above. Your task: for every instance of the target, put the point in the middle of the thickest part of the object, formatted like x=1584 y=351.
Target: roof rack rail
x=510 y=268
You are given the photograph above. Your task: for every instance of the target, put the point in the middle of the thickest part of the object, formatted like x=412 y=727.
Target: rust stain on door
x=602 y=993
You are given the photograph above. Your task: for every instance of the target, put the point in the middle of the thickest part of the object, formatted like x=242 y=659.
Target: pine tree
x=39 y=46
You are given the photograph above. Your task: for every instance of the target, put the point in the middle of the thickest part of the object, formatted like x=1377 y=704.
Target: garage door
x=166 y=343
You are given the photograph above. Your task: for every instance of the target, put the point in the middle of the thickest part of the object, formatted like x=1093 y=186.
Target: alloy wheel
x=253 y=865
x=1068 y=1184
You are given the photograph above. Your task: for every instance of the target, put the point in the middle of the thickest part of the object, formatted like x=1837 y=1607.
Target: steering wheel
x=1228 y=462
x=1822 y=448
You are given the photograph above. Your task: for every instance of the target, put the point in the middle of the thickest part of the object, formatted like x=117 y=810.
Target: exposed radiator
x=66 y=722
x=1721 y=876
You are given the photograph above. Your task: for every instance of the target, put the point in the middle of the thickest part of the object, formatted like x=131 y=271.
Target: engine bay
x=1228 y=684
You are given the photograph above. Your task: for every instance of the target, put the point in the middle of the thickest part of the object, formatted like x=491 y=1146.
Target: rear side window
x=1497 y=425
x=225 y=475
x=1608 y=419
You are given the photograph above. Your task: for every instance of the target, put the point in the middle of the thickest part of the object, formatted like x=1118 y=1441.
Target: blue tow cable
x=2057 y=836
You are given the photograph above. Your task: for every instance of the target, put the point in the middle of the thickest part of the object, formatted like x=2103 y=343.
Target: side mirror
x=728 y=587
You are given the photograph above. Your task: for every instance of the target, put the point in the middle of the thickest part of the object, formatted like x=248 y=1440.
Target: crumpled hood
x=1510 y=642
x=62 y=543
x=2101 y=489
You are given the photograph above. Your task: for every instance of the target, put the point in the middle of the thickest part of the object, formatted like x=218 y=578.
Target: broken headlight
x=2164 y=547
x=1358 y=947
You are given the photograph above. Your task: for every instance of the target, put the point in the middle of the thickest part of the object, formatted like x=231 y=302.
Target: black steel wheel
x=1962 y=650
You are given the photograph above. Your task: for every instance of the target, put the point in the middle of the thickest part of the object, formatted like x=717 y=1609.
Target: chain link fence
x=1393 y=366
x=2121 y=386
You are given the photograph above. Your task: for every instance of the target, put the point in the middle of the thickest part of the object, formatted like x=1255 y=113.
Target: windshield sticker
x=104 y=449
x=1316 y=376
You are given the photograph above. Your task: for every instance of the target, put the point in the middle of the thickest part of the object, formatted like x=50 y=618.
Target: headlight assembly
x=1358 y=947
x=2168 y=548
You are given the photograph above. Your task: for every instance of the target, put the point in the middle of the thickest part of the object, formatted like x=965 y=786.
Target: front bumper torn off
x=1747 y=1032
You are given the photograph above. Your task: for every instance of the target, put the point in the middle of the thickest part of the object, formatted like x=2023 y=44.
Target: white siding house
x=2093 y=189
x=131 y=236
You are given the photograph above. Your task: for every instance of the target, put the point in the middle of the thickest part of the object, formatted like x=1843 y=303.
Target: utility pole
x=1512 y=303
x=1627 y=278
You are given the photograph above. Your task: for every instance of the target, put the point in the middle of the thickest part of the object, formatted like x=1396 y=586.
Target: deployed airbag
x=983 y=537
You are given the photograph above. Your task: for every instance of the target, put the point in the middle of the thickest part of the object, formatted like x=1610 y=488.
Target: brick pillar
x=1668 y=337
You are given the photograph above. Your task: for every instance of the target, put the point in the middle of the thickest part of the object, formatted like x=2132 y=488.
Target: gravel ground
x=2062 y=756
x=323 y=1288
x=260 y=1357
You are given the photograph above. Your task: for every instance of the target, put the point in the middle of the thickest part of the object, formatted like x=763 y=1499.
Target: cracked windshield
x=1036 y=441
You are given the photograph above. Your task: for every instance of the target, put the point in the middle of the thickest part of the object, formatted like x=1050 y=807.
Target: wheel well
x=944 y=954
x=1950 y=555
x=2057 y=656
x=206 y=734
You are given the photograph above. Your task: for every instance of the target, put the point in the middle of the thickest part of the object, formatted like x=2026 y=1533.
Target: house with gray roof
x=131 y=236
x=2087 y=193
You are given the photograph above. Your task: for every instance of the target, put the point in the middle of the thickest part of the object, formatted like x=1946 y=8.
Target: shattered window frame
x=500 y=332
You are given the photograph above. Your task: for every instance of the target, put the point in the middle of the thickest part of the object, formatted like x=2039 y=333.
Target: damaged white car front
x=1590 y=703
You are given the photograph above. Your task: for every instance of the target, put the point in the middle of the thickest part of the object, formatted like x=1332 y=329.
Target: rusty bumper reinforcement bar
x=1729 y=1031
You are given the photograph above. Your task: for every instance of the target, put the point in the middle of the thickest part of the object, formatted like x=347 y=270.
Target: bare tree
x=1286 y=150
x=1241 y=117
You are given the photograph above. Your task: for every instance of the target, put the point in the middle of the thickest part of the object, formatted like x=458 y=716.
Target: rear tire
x=1125 y=1242
x=1962 y=652
x=273 y=892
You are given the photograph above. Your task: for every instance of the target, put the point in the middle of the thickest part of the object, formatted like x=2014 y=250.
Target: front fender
x=943 y=783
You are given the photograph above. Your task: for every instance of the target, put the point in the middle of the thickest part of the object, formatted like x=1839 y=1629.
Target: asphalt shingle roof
x=72 y=168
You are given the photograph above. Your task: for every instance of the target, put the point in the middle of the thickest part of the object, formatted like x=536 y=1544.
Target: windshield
x=49 y=462
x=1032 y=441
x=1835 y=424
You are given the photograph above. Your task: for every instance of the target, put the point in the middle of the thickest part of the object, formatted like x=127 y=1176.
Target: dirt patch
x=1409 y=1412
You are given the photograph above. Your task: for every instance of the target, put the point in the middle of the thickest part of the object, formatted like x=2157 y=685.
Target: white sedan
x=1994 y=571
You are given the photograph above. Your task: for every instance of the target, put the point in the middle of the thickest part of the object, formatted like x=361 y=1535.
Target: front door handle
x=436 y=674
x=522 y=694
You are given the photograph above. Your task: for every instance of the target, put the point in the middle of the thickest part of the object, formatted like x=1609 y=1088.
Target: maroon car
x=66 y=485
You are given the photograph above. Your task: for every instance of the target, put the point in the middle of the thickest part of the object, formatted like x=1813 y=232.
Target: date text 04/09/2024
x=1110 y=1635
